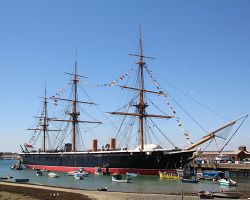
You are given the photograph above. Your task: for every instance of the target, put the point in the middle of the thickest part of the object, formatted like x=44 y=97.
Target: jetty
x=223 y=166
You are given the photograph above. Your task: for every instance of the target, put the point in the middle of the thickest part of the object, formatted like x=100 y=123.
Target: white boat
x=132 y=174
x=118 y=178
x=72 y=173
x=53 y=175
x=228 y=182
x=127 y=180
x=79 y=175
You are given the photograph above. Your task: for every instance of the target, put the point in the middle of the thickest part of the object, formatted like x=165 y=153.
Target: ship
x=145 y=159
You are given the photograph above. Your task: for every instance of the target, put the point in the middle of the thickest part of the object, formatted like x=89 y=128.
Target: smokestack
x=94 y=146
x=112 y=144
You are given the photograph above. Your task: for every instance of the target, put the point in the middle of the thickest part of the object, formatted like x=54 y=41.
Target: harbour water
x=140 y=184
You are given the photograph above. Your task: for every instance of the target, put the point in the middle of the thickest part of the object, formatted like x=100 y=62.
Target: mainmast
x=141 y=105
x=74 y=113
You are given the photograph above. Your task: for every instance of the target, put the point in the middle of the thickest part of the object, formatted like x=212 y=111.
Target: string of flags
x=115 y=82
x=58 y=94
x=32 y=139
x=178 y=120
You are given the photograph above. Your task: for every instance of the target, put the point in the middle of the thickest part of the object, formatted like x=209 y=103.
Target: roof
x=148 y=147
x=236 y=152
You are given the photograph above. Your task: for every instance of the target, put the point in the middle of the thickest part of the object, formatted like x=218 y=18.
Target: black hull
x=124 y=161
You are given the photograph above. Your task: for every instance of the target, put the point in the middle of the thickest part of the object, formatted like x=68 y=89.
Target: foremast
x=141 y=105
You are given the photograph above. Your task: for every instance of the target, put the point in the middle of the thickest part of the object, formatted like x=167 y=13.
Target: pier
x=222 y=166
x=234 y=170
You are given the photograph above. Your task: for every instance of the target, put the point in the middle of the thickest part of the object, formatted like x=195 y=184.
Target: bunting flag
x=58 y=94
x=180 y=125
x=28 y=145
x=115 y=82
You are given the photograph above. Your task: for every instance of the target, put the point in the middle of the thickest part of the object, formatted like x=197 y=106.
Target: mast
x=141 y=105
x=44 y=118
x=75 y=113
x=44 y=126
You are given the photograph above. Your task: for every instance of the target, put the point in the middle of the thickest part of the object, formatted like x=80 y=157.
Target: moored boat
x=127 y=180
x=212 y=174
x=227 y=182
x=39 y=172
x=53 y=175
x=205 y=194
x=165 y=175
x=79 y=176
x=5 y=177
x=22 y=180
x=116 y=177
x=227 y=194
x=132 y=174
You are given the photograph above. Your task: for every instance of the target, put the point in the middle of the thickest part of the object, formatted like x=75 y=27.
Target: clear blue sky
x=200 y=46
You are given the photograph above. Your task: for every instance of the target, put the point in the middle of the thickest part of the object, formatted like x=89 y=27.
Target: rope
x=163 y=134
x=245 y=117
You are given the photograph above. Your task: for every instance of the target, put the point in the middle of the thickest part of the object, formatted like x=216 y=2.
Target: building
x=240 y=154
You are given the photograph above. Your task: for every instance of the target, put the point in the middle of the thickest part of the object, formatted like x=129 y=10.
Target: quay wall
x=222 y=166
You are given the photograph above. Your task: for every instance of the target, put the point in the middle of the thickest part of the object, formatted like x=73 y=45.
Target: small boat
x=53 y=175
x=22 y=180
x=205 y=195
x=127 y=180
x=165 y=175
x=190 y=180
x=17 y=166
x=102 y=188
x=39 y=173
x=212 y=174
x=227 y=194
x=118 y=178
x=5 y=177
x=79 y=176
x=82 y=171
x=132 y=174
x=227 y=182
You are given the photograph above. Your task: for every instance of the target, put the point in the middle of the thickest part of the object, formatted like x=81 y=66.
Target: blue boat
x=212 y=174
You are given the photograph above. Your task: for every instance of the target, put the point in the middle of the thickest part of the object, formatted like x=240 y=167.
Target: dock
x=222 y=166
